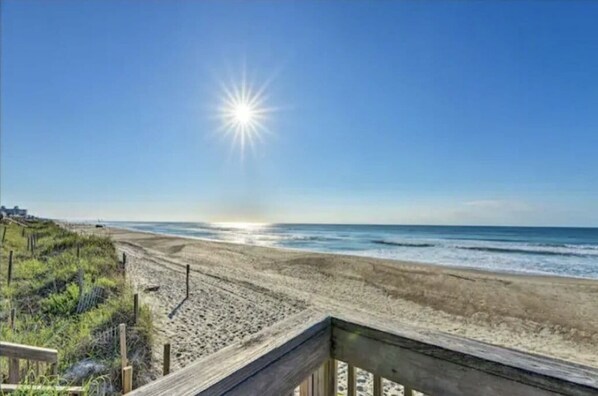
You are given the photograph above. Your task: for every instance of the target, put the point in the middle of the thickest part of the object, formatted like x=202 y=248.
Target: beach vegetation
x=45 y=291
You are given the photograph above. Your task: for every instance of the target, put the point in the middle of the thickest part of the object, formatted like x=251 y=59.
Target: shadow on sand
x=174 y=311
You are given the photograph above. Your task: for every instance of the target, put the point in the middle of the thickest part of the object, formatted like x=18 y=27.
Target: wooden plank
x=28 y=352
x=286 y=372
x=331 y=377
x=229 y=368
x=441 y=364
x=305 y=389
x=351 y=380
x=407 y=391
x=377 y=385
x=41 y=389
x=319 y=382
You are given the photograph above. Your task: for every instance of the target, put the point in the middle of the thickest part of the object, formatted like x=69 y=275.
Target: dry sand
x=237 y=290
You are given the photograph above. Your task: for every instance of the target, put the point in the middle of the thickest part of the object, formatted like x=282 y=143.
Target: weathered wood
x=187 y=278
x=287 y=351
x=127 y=379
x=20 y=351
x=319 y=382
x=9 y=267
x=13 y=371
x=4 y=233
x=135 y=307
x=441 y=364
x=41 y=389
x=122 y=332
x=351 y=390
x=331 y=367
x=305 y=389
x=285 y=373
x=407 y=391
x=377 y=385
x=166 y=359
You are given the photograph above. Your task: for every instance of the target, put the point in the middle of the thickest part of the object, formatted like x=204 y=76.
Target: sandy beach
x=237 y=290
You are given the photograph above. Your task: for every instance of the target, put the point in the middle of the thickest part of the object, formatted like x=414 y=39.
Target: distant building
x=14 y=212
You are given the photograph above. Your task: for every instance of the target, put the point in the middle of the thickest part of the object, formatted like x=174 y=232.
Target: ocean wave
x=543 y=252
x=402 y=244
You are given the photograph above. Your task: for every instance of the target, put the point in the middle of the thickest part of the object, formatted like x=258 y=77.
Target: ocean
x=537 y=250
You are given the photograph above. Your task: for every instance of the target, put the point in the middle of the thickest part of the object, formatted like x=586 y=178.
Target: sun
x=244 y=114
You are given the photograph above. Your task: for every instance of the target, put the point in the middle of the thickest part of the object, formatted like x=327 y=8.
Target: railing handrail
x=28 y=352
x=274 y=361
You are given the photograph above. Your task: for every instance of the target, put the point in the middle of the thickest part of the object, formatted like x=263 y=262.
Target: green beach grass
x=44 y=290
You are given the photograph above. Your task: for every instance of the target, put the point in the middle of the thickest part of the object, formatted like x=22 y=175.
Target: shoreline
x=240 y=289
x=480 y=271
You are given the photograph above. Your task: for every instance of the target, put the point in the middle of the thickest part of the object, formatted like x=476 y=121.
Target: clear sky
x=386 y=112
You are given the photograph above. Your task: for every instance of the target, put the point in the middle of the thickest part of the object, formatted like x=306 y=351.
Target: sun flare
x=244 y=114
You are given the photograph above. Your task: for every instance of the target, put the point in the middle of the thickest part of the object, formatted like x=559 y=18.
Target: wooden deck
x=303 y=352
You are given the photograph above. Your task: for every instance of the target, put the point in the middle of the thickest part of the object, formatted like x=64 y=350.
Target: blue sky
x=387 y=112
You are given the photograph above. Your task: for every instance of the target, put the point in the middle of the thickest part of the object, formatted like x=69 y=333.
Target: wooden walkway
x=303 y=352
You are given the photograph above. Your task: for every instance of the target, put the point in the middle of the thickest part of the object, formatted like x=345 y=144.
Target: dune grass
x=45 y=290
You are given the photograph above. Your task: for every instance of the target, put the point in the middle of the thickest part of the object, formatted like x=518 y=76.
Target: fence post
x=166 y=361
x=127 y=378
x=13 y=317
x=13 y=371
x=4 y=233
x=122 y=331
x=135 y=307
x=188 y=270
x=9 y=267
x=23 y=232
x=28 y=243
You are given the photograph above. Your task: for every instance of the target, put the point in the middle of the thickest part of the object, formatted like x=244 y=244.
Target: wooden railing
x=302 y=353
x=36 y=361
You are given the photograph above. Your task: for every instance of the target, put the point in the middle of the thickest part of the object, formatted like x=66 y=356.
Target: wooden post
x=13 y=318
x=122 y=330
x=23 y=232
x=166 y=360
x=13 y=371
x=351 y=389
x=377 y=385
x=407 y=391
x=28 y=243
x=124 y=259
x=135 y=307
x=127 y=378
x=4 y=233
x=9 y=267
x=78 y=251
x=80 y=281
x=188 y=270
